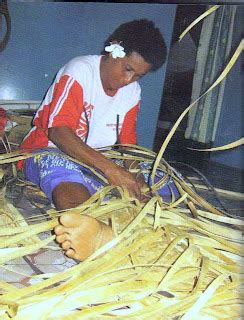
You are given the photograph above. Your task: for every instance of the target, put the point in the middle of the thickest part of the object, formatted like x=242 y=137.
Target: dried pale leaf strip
x=202 y=16
x=22 y=251
x=228 y=146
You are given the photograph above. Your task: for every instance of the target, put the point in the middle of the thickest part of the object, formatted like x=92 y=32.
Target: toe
x=66 y=245
x=61 y=238
x=71 y=253
x=58 y=230
x=71 y=220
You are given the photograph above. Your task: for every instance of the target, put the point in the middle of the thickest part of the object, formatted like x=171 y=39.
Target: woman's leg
x=78 y=235
x=67 y=185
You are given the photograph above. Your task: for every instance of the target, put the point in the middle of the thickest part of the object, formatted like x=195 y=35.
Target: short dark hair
x=143 y=37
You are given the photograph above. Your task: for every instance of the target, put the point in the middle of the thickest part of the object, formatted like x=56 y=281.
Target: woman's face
x=119 y=72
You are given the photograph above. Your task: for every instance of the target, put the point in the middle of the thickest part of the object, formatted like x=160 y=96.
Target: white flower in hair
x=116 y=50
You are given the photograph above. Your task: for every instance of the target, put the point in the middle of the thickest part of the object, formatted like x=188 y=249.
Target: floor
x=220 y=186
x=219 y=175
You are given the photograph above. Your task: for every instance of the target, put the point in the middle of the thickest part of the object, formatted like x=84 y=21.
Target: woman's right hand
x=118 y=176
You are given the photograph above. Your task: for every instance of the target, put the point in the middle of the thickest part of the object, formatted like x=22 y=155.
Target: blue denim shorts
x=49 y=170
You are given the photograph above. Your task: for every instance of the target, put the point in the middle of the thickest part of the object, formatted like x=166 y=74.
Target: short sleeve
x=67 y=103
x=128 y=131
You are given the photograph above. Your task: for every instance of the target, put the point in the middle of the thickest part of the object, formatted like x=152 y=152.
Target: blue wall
x=230 y=127
x=46 y=35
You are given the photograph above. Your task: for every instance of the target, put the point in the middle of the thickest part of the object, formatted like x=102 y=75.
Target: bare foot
x=80 y=236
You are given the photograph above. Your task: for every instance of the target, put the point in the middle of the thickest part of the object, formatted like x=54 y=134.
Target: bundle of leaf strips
x=168 y=260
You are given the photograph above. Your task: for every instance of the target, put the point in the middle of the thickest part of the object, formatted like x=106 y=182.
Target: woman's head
x=142 y=37
x=119 y=72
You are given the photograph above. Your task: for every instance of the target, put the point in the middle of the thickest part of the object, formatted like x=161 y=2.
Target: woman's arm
x=67 y=141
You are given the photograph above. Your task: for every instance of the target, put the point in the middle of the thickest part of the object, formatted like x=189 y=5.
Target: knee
x=69 y=195
x=60 y=201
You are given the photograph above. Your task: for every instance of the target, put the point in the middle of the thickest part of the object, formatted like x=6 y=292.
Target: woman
x=92 y=103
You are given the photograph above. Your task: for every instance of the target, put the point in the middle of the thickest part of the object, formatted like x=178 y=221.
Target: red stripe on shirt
x=64 y=109
x=128 y=130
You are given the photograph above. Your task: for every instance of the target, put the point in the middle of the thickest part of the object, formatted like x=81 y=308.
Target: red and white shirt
x=76 y=99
